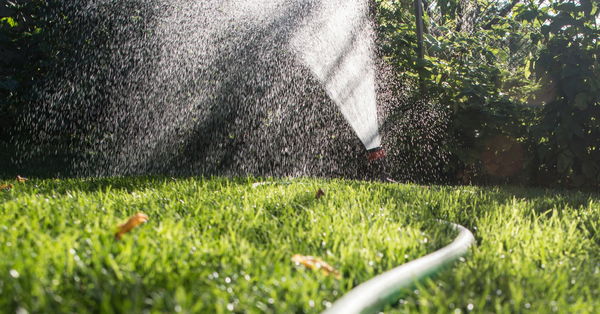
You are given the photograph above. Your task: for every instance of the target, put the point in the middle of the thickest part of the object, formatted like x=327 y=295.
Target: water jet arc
x=384 y=289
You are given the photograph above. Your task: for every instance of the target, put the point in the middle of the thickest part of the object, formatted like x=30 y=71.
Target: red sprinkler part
x=375 y=154
x=379 y=155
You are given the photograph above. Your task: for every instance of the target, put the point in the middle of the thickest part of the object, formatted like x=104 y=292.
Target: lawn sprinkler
x=377 y=155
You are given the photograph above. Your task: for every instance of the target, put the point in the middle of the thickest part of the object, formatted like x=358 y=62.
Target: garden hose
x=385 y=289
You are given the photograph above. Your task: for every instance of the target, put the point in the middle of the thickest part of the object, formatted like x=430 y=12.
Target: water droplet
x=21 y=310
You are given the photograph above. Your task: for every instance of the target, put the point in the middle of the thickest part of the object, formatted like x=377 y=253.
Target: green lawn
x=219 y=246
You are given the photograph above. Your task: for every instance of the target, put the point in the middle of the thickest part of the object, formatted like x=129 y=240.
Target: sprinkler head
x=378 y=155
x=375 y=154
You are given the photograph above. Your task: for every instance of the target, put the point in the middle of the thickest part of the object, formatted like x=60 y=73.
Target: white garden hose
x=384 y=289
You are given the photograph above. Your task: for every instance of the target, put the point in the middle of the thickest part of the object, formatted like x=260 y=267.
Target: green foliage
x=478 y=73
x=531 y=76
x=31 y=46
x=477 y=67
x=567 y=69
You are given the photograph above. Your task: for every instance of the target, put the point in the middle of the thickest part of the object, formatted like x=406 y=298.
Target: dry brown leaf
x=311 y=262
x=133 y=222
x=319 y=194
x=21 y=179
x=6 y=187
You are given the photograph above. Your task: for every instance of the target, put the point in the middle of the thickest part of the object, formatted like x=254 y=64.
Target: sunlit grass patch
x=538 y=251
x=209 y=245
x=221 y=245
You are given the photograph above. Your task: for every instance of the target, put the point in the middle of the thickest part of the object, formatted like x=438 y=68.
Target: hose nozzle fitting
x=377 y=154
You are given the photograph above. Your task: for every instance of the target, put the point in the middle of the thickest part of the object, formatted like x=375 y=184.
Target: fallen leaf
x=311 y=262
x=319 y=194
x=133 y=222
x=21 y=179
x=6 y=187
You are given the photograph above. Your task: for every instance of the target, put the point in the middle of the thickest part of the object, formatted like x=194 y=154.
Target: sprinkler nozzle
x=377 y=154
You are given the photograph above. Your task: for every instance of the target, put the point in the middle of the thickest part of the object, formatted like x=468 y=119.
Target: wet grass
x=220 y=245
x=538 y=251
x=210 y=245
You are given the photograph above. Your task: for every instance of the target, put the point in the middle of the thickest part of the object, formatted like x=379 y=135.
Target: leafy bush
x=527 y=81
x=473 y=72
x=567 y=68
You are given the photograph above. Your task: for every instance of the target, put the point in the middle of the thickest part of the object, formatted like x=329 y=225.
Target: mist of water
x=269 y=88
x=208 y=87
x=336 y=43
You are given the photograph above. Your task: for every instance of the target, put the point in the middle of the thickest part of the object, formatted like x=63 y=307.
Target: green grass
x=220 y=246
x=209 y=245
x=538 y=251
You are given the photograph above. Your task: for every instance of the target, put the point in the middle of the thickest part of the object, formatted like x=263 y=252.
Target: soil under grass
x=221 y=245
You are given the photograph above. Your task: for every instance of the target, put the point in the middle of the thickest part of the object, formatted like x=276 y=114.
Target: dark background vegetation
x=511 y=89
x=517 y=80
